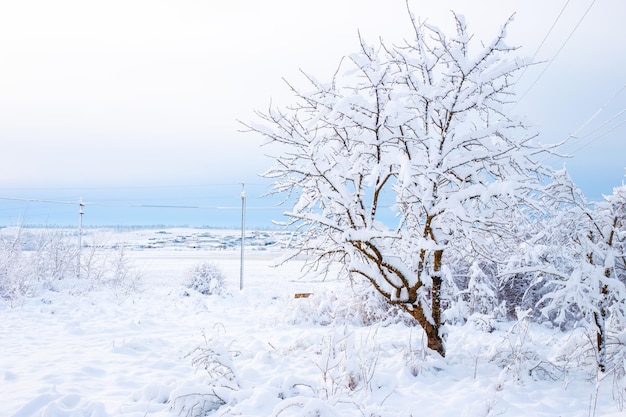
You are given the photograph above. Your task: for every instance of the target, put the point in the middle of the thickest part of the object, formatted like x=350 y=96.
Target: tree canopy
x=409 y=161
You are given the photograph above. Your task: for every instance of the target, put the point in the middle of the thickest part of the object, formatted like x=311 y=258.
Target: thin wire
x=604 y=106
x=574 y=136
x=129 y=187
x=599 y=137
x=601 y=126
x=545 y=38
x=580 y=144
x=167 y=206
x=556 y=54
x=36 y=200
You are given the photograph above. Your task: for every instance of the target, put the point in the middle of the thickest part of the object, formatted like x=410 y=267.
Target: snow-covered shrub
x=213 y=391
x=51 y=262
x=206 y=278
x=48 y=260
x=474 y=295
x=345 y=364
x=316 y=308
x=365 y=306
x=518 y=293
x=482 y=290
x=358 y=304
x=93 y=260
x=60 y=256
x=120 y=276
x=198 y=401
x=616 y=365
x=521 y=356
x=581 y=270
x=17 y=278
x=14 y=274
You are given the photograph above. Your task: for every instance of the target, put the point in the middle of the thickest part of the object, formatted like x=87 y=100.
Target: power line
x=573 y=138
x=132 y=205
x=577 y=146
x=37 y=200
x=132 y=187
x=557 y=53
x=593 y=116
x=599 y=136
x=603 y=125
x=545 y=37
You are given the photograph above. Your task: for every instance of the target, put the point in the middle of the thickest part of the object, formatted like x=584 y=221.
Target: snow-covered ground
x=164 y=350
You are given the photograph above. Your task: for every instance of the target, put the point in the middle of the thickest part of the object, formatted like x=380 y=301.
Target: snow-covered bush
x=346 y=364
x=33 y=262
x=616 y=366
x=206 y=278
x=210 y=392
x=364 y=306
x=15 y=279
x=475 y=293
x=520 y=356
x=50 y=261
x=358 y=305
x=58 y=254
x=120 y=276
x=580 y=270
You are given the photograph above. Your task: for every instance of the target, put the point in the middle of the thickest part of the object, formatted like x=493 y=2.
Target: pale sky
x=137 y=93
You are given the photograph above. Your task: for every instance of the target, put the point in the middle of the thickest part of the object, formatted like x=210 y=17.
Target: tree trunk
x=435 y=341
x=600 y=340
x=432 y=327
x=600 y=319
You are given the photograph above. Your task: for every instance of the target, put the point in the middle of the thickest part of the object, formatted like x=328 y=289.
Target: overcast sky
x=134 y=93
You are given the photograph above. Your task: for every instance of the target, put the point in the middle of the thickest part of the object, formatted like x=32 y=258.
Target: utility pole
x=243 y=232
x=81 y=211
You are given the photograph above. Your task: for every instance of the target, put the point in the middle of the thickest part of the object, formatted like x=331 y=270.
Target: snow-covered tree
x=405 y=151
x=584 y=261
x=482 y=291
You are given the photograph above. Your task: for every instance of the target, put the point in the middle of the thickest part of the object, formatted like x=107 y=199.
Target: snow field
x=167 y=351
